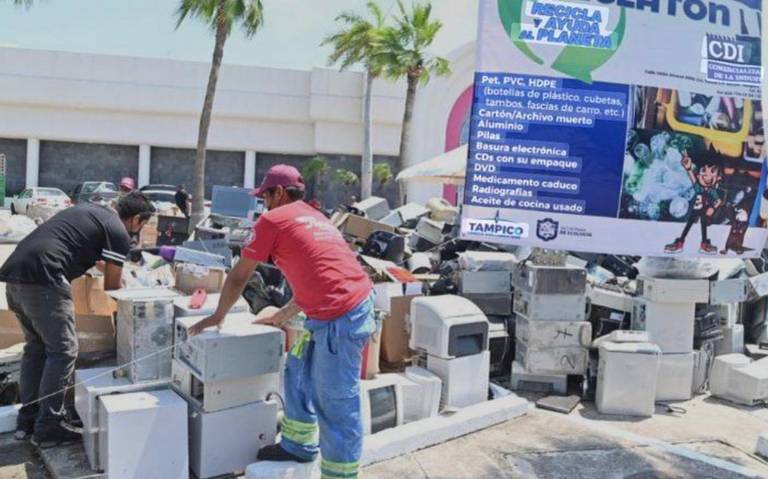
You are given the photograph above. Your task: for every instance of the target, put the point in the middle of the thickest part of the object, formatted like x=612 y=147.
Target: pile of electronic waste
x=626 y=332
x=458 y=322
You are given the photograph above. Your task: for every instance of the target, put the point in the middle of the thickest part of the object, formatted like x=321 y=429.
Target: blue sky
x=146 y=28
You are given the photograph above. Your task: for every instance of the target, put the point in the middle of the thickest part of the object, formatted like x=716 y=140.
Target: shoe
x=707 y=248
x=58 y=436
x=276 y=453
x=24 y=431
x=675 y=247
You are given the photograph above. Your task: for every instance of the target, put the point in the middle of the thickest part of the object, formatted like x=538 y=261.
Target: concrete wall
x=15 y=152
x=82 y=107
x=174 y=166
x=132 y=101
x=65 y=164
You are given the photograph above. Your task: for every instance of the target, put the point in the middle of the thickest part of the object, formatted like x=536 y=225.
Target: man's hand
x=272 y=317
x=208 y=322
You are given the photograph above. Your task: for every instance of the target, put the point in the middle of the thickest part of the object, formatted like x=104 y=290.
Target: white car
x=44 y=198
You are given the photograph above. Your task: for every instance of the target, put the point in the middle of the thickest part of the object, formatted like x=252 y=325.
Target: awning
x=448 y=168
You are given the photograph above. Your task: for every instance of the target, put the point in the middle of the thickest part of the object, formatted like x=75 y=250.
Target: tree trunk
x=405 y=135
x=198 y=188
x=366 y=167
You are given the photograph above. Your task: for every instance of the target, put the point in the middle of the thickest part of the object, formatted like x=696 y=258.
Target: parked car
x=160 y=194
x=94 y=191
x=146 y=188
x=48 y=198
x=160 y=198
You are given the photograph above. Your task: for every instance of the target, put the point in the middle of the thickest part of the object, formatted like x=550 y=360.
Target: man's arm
x=281 y=316
x=233 y=288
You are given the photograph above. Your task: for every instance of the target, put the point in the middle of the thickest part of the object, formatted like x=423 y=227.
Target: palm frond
x=357 y=40
x=249 y=14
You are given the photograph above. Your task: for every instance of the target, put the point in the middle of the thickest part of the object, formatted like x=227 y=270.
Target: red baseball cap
x=280 y=175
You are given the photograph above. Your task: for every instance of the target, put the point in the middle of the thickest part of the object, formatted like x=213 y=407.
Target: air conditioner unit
x=238 y=350
x=448 y=326
x=484 y=282
x=214 y=396
x=381 y=403
x=550 y=307
x=549 y=280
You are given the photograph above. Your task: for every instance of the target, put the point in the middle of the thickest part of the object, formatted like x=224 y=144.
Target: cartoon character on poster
x=705 y=177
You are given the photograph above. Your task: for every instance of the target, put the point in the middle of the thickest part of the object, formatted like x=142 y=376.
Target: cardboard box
x=10 y=329
x=362 y=228
x=190 y=278
x=95 y=334
x=395 y=332
x=148 y=236
x=90 y=298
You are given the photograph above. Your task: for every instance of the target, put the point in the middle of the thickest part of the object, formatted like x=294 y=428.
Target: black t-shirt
x=68 y=245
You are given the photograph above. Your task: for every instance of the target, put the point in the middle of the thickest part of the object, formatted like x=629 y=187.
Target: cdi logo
x=725 y=49
x=547 y=229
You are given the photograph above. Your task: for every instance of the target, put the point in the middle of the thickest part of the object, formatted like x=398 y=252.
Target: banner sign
x=619 y=126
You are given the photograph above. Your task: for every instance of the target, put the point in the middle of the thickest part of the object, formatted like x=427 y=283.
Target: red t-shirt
x=324 y=274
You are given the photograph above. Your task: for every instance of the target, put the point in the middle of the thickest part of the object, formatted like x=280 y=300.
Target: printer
x=448 y=327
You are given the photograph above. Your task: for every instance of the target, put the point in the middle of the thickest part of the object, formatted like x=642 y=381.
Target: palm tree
x=313 y=173
x=383 y=174
x=220 y=15
x=403 y=52
x=355 y=44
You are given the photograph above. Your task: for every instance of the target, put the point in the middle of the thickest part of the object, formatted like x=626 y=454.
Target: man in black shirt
x=38 y=274
x=182 y=200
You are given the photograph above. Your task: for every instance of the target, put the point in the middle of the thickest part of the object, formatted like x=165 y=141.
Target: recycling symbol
x=574 y=61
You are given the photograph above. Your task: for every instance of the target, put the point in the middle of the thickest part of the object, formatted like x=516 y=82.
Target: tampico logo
x=580 y=28
x=547 y=229
x=497 y=227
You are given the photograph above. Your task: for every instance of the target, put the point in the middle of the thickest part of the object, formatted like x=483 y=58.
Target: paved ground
x=19 y=460
x=711 y=439
x=588 y=445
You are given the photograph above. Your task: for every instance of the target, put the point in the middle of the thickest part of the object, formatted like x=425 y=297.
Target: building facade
x=70 y=117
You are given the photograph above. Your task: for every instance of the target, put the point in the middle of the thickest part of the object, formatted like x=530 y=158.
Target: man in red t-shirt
x=322 y=374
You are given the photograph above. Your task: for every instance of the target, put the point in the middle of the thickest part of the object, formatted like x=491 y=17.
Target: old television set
x=382 y=403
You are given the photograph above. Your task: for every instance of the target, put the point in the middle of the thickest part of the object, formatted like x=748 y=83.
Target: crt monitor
x=382 y=404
